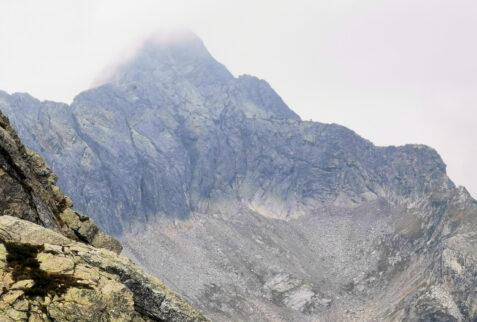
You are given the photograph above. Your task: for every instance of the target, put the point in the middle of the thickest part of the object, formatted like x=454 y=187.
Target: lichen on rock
x=47 y=277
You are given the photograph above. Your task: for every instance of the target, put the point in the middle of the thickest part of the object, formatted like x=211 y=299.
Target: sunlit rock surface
x=76 y=282
x=216 y=187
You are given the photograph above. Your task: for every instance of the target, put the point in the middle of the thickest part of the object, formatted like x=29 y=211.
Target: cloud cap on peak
x=178 y=52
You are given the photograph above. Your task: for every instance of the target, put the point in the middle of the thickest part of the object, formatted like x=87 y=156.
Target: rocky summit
x=56 y=264
x=214 y=185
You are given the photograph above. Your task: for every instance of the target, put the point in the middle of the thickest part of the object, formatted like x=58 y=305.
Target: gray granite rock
x=214 y=185
x=80 y=282
x=56 y=264
x=28 y=191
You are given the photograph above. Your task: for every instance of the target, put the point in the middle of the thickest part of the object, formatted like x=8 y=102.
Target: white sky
x=394 y=71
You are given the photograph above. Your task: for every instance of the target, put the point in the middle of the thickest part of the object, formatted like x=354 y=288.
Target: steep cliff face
x=56 y=264
x=29 y=192
x=214 y=185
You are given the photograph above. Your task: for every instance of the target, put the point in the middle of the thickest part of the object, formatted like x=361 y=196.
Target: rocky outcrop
x=214 y=185
x=445 y=289
x=28 y=191
x=45 y=276
x=56 y=264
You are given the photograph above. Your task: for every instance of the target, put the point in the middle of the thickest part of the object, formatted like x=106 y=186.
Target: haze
x=395 y=72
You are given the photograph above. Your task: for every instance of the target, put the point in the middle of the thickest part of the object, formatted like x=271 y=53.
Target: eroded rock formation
x=56 y=264
x=216 y=187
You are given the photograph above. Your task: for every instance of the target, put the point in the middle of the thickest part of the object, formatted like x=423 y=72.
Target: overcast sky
x=394 y=71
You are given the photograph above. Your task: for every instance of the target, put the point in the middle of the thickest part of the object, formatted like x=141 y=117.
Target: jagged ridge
x=279 y=219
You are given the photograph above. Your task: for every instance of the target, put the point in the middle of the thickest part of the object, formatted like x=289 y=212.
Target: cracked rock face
x=215 y=186
x=56 y=264
x=78 y=282
x=28 y=191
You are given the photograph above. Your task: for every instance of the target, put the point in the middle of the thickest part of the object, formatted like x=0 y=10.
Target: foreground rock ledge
x=91 y=284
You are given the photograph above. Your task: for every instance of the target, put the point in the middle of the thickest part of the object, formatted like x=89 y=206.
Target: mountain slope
x=55 y=263
x=214 y=185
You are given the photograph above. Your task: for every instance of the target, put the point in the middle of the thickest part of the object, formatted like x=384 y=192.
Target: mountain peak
x=173 y=37
x=182 y=41
x=178 y=66
x=164 y=55
x=267 y=217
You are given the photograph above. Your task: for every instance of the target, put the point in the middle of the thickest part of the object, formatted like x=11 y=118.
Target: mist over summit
x=138 y=56
x=215 y=185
